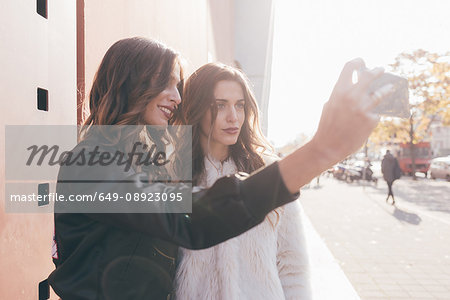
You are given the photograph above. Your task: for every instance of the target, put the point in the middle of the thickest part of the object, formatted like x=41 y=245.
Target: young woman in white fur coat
x=268 y=261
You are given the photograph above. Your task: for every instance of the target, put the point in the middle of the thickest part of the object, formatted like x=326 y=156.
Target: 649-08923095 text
x=102 y=197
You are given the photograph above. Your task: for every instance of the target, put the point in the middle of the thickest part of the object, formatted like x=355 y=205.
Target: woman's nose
x=232 y=115
x=175 y=96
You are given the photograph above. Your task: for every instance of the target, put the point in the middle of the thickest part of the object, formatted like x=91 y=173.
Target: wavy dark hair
x=132 y=73
x=198 y=97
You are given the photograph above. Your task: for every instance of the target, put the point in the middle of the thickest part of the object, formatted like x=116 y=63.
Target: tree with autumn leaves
x=428 y=76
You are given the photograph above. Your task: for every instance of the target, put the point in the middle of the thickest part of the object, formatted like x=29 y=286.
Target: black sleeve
x=230 y=207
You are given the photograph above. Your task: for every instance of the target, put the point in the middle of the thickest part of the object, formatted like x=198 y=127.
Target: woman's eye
x=220 y=105
x=240 y=105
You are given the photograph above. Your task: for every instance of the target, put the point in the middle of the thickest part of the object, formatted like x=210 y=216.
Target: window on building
x=42 y=99
x=41 y=8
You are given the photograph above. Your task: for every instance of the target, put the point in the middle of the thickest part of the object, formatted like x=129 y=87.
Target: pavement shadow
x=407 y=217
x=399 y=214
x=434 y=199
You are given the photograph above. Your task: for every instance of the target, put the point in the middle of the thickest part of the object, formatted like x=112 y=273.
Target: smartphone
x=395 y=104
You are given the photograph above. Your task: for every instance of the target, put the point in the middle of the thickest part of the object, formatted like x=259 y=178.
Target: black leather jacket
x=133 y=256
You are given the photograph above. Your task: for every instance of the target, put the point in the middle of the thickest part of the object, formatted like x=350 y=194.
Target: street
x=387 y=252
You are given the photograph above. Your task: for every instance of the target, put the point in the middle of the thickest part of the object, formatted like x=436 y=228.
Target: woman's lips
x=232 y=130
x=166 y=111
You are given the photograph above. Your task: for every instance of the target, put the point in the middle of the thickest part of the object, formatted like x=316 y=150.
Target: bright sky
x=313 y=40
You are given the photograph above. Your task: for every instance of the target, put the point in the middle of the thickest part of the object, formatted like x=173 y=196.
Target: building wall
x=221 y=37
x=35 y=52
x=198 y=29
x=253 y=31
x=39 y=52
x=202 y=31
x=440 y=140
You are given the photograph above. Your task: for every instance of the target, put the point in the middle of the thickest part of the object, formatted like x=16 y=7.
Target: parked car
x=440 y=168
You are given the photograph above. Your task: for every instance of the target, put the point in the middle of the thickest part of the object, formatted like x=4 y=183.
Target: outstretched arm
x=232 y=205
x=345 y=124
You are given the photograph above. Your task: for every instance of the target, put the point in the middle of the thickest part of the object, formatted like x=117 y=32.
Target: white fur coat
x=266 y=262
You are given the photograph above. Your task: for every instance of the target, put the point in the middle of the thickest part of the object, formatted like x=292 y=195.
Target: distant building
x=440 y=140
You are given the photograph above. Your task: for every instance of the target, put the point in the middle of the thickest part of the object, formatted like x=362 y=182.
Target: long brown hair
x=198 y=97
x=132 y=73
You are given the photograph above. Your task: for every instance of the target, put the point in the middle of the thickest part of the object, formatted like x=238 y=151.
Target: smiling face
x=230 y=104
x=160 y=109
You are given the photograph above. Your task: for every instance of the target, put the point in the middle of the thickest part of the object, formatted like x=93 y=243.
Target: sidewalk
x=386 y=252
x=328 y=281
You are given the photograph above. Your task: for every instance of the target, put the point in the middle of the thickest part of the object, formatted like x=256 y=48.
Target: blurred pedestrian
x=391 y=172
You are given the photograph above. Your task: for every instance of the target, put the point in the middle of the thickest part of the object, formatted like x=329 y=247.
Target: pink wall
x=39 y=52
x=35 y=52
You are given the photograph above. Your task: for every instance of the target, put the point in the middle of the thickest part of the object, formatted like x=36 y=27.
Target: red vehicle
x=422 y=157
